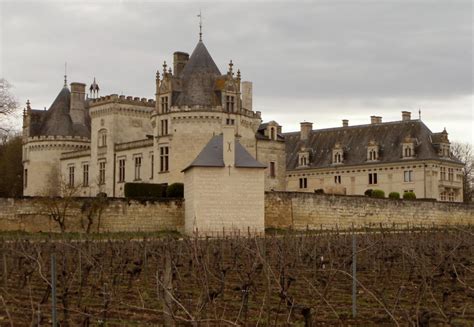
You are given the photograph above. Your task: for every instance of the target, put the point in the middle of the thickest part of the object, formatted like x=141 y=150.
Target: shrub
x=319 y=191
x=378 y=194
x=368 y=192
x=394 y=195
x=175 y=190
x=137 y=190
x=409 y=196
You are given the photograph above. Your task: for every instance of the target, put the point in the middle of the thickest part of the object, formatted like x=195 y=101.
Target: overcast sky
x=320 y=61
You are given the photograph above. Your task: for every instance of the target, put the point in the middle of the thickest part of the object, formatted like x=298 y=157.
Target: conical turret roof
x=57 y=120
x=198 y=78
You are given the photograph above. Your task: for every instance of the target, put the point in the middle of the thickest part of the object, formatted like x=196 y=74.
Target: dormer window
x=164 y=104
x=408 y=148
x=337 y=154
x=272 y=133
x=229 y=103
x=303 y=158
x=372 y=151
x=444 y=150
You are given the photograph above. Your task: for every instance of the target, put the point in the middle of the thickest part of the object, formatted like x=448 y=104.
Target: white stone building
x=97 y=144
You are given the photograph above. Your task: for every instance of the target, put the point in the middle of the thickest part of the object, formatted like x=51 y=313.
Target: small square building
x=224 y=189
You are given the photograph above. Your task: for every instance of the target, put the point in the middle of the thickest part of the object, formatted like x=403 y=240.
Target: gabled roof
x=198 y=77
x=212 y=156
x=354 y=141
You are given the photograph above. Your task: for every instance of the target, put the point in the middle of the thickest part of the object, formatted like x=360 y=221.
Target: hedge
x=368 y=192
x=175 y=190
x=378 y=194
x=394 y=195
x=409 y=196
x=136 y=190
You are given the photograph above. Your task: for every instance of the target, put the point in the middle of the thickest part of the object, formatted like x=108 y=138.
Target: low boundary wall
x=314 y=211
x=282 y=210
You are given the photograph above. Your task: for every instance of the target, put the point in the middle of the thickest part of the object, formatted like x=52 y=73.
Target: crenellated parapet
x=114 y=98
x=57 y=142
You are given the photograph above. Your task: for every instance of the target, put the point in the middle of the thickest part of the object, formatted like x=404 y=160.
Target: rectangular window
x=152 y=165
x=408 y=175
x=229 y=103
x=451 y=196
x=138 y=166
x=443 y=196
x=71 y=176
x=229 y=121
x=85 y=175
x=25 y=178
x=337 y=179
x=121 y=177
x=164 y=127
x=442 y=174
x=164 y=104
x=272 y=169
x=450 y=174
x=164 y=159
x=101 y=172
x=372 y=178
x=303 y=182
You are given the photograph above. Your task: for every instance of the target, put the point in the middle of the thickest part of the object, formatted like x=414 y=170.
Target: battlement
x=115 y=98
x=58 y=138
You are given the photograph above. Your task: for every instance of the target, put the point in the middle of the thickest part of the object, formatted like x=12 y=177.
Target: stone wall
x=118 y=215
x=308 y=210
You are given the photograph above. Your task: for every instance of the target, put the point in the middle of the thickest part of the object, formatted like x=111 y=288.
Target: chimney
x=345 y=122
x=246 y=88
x=179 y=61
x=406 y=115
x=378 y=120
x=305 y=131
x=77 y=110
x=373 y=119
x=228 y=146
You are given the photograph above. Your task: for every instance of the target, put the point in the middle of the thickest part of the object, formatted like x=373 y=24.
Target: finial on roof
x=65 y=74
x=164 y=68
x=419 y=114
x=157 y=75
x=28 y=104
x=230 y=67
x=170 y=71
x=200 y=25
x=94 y=89
x=238 y=73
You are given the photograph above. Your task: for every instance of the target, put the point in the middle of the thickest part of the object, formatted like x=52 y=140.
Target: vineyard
x=419 y=278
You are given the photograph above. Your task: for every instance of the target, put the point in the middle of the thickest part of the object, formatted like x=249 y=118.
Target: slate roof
x=212 y=156
x=198 y=77
x=57 y=120
x=354 y=140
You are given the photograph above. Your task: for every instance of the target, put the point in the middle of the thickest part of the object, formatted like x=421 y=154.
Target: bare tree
x=8 y=103
x=465 y=153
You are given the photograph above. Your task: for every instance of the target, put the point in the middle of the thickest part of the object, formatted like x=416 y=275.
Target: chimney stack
x=77 y=110
x=179 y=61
x=375 y=120
x=406 y=115
x=345 y=122
x=246 y=88
x=306 y=128
x=228 y=146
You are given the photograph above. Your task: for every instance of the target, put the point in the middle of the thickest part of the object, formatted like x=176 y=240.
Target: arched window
x=337 y=158
x=407 y=152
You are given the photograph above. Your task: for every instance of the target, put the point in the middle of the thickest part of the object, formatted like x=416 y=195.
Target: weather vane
x=65 y=74
x=200 y=25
